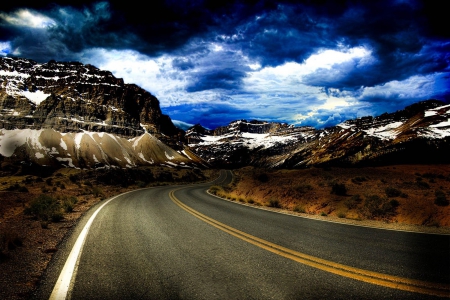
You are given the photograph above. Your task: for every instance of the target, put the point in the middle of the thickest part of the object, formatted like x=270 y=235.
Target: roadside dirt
x=27 y=243
x=397 y=197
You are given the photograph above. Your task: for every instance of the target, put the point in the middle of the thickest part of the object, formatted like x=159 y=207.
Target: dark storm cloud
x=182 y=64
x=226 y=79
x=244 y=51
x=210 y=115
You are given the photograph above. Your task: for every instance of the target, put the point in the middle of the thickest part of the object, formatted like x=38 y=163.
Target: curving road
x=178 y=242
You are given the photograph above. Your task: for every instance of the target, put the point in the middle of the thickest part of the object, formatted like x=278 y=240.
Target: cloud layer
x=212 y=62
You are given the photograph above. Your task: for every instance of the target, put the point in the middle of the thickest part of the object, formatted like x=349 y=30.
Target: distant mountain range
x=418 y=134
x=75 y=115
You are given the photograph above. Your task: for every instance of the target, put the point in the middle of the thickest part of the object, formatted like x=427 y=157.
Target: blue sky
x=313 y=63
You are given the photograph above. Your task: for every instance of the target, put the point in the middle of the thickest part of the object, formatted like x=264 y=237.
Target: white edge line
x=68 y=272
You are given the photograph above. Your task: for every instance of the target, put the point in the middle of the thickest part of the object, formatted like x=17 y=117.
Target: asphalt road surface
x=178 y=242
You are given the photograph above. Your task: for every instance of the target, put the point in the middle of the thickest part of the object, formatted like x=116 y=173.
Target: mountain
x=418 y=134
x=76 y=115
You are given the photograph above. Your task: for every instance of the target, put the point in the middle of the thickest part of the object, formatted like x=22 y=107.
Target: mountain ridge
x=418 y=133
x=69 y=96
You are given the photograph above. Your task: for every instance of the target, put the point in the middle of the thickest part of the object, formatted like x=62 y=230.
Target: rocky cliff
x=75 y=115
x=70 y=96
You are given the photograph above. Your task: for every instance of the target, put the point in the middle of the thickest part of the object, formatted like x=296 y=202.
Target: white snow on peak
x=35 y=97
x=345 y=125
x=442 y=124
x=141 y=155
x=433 y=111
x=12 y=139
x=384 y=132
x=13 y=74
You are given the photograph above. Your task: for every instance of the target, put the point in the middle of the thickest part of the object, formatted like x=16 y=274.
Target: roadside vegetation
x=416 y=195
x=39 y=205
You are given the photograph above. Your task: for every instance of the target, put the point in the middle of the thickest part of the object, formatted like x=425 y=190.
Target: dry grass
x=403 y=194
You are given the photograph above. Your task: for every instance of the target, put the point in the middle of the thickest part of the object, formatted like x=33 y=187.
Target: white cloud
x=156 y=75
x=288 y=77
x=27 y=18
x=417 y=86
x=5 y=48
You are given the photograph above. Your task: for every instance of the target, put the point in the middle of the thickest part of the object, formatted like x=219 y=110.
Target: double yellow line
x=395 y=282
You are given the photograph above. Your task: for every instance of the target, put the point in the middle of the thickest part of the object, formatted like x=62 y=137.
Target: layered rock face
x=74 y=115
x=70 y=96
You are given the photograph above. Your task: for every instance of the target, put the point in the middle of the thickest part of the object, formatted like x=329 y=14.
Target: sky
x=306 y=63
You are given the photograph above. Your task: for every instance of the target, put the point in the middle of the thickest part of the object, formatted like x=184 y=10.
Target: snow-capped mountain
x=419 y=133
x=75 y=115
x=69 y=96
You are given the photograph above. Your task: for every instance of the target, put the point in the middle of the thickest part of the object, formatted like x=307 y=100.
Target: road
x=178 y=242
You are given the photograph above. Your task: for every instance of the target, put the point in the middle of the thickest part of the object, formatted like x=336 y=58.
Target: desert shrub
x=17 y=187
x=73 y=178
x=274 y=203
x=251 y=201
x=88 y=183
x=303 y=188
x=376 y=206
x=353 y=201
x=359 y=179
x=9 y=240
x=96 y=191
x=392 y=192
x=323 y=214
x=299 y=209
x=440 y=199
x=394 y=203
x=44 y=207
x=430 y=175
x=263 y=177
x=141 y=184
x=422 y=184
x=339 y=189
x=49 y=181
x=341 y=214
x=215 y=190
x=68 y=203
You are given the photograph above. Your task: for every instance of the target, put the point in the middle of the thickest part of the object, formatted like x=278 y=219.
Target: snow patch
x=168 y=156
x=69 y=160
x=384 y=132
x=442 y=124
x=35 y=97
x=10 y=140
x=39 y=155
x=141 y=155
x=63 y=144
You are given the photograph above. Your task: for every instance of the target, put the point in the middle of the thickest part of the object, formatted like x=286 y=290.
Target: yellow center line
x=400 y=283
